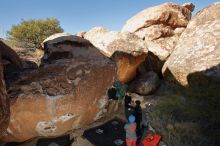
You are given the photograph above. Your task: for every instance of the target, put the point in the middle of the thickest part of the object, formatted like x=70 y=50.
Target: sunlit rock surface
x=160 y=26
x=197 y=53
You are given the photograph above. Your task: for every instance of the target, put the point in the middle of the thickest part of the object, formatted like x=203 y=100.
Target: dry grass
x=181 y=121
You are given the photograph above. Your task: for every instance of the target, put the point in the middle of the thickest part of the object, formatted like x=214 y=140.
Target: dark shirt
x=138 y=113
x=129 y=110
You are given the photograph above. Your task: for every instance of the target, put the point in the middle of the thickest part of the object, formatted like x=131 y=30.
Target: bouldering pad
x=110 y=133
x=151 y=140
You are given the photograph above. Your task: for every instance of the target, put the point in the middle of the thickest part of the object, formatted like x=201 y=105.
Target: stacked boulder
x=145 y=43
x=160 y=26
x=126 y=49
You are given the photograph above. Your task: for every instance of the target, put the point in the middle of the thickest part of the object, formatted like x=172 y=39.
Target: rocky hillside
x=167 y=59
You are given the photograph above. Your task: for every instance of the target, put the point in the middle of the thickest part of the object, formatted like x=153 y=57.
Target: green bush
x=30 y=33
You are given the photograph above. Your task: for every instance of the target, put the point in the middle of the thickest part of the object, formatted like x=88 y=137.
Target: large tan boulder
x=196 y=58
x=128 y=49
x=160 y=26
x=66 y=93
x=110 y=41
x=169 y=13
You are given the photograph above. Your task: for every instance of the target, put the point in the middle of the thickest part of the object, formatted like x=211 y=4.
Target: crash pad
x=150 y=140
x=110 y=133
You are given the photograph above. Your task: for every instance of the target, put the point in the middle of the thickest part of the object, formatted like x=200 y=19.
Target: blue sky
x=79 y=15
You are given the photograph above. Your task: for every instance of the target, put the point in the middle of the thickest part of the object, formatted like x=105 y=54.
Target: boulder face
x=128 y=49
x=66 y=41
x=110 y=41
x=151 y=63
x=30 y=54
x=127 y=65
x=197 y=53
x=7 y=55
x=171 y=14
x=160 y=26
x=67 y=92
x=145 y=84
x=4 y=102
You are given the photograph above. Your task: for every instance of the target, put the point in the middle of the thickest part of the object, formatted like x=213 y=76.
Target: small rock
x=145 y=84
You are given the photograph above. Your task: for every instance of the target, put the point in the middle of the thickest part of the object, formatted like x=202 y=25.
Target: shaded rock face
x=19 y=61
x=4 y=103
x=160 y=26
x=151 y=63
x=127 y=65
x=30 y=54
x=63 y=94
x=7 y=55
x=198 y=50
x=145 y=84
x=12 y=71
x=128 y=49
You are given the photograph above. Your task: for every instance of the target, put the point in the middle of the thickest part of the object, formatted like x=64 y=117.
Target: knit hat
x=131 y=119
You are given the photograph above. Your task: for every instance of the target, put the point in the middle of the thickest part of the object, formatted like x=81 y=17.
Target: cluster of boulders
x=68 y=89
x=160 y=26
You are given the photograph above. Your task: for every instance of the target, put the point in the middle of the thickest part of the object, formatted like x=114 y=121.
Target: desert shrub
x=31 y=33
